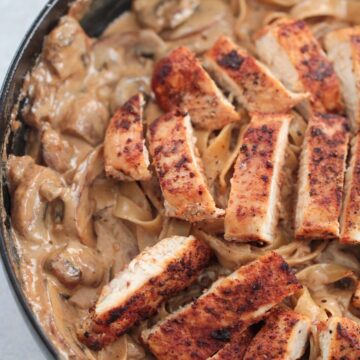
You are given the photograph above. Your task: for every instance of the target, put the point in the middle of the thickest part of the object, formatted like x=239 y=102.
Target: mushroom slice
x=321 y=177
x=293 y=54
x=126 y=157
x=57 y=153
x=179 y=169
x=343 y=47
x=236 y=348
x=76 y=264
x=87 y=119
x=251 y=82
x=135 y=293
x=180 y=81
x=33 y=187
x=160 y=15
x=231 y=305
x=252 y=211
x=16 y=168
x=350 y=212
x=340 y=339
x=283 y=337
x=66 y=48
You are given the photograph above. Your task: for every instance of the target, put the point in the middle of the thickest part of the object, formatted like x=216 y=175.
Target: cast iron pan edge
x=99 y=15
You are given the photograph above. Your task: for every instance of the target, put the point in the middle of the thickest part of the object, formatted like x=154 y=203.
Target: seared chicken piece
x=125 y=153
x=200 y=329
x=180 y=81
x=252 y=211
x=180 y=173
x=340 y=340
x=355 y=301
x=283 y=337
x=291 y=51
x=321 y=177
x=235 y=350
x=251 y=82
x=134 y=294
x=343 y=47
x=350 y=217
x=160 y=15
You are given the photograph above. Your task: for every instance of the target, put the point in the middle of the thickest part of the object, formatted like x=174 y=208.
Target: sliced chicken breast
x=200 y=329
x=125 y=154
x=235 y=350
x=179 y=80
x=134 y=294
x=321 y=177
x=179 y=169
x=355 y=301
x=283 y=337
x=252 y=211
x=350 y=214
x=254 y=86
x=291 y=51
x=343 y=48
x=340 y=340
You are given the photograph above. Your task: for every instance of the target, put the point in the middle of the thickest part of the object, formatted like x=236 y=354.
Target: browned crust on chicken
x=321 y=177
x=249 y=80
x=355 y=301
x=180 y=272
x=179 y=169
x=340 y=340
x=235 y=350
x=232 y=304
x=180 y=81
x=125 y=154
x=252 y=211
x=283 y=331
x=350 y=217
x=315 y=72
x=343 y=47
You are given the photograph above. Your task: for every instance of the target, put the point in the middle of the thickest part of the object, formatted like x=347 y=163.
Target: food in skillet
x=187 y=191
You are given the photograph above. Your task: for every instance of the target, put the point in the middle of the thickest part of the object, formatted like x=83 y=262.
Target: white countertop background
x=16 y=341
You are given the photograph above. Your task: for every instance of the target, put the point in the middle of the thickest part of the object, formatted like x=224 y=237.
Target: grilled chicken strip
x=180 y=81
x=252 y=211
x=291 y=51
x=350 y=216
x=134 y=294
x=179 y=169
x=343 y=48
x=231 y=305
x=321 y=177
x=251 y=82
x=340 y=339
x=355 y=301
x=235 y=350
x=283 y=337
x=126 y=157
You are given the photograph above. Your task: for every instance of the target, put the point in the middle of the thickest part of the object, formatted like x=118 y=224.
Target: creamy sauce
x=74 y=228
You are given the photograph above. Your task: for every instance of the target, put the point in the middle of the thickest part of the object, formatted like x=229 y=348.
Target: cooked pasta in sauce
x=75 y=227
